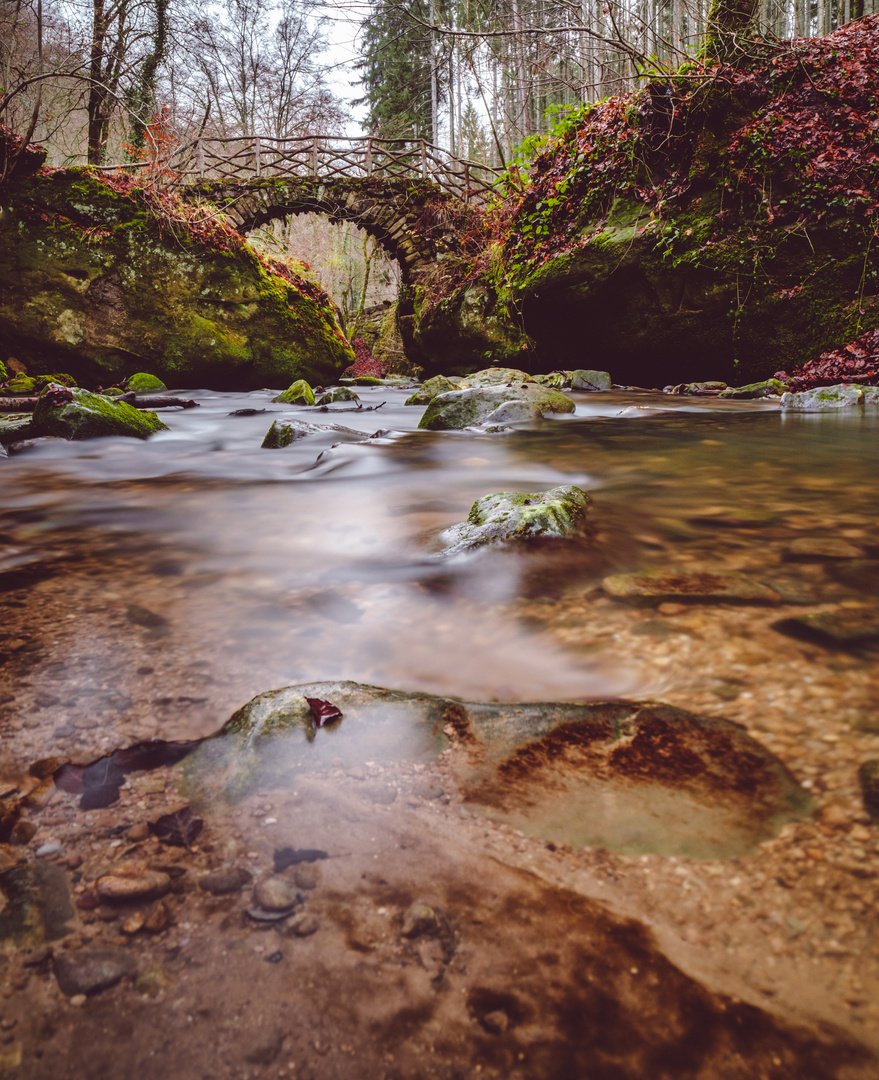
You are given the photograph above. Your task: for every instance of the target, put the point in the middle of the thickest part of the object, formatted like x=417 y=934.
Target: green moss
x=93 y=416
x=298 y=393
x=144 y=383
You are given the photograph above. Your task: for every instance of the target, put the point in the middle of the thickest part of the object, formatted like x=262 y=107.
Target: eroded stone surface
x=635 y=776
x=515 y=517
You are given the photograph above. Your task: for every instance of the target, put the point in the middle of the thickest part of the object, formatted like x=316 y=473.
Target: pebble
x=91 y=970
x=302 y=926
x=306 y=877
x=23 y=832
x=159 y=919
x=138 y=832
x=419 y=919
x=275 y=894
x=44 y=850
x=132 y=881
x=226 y=881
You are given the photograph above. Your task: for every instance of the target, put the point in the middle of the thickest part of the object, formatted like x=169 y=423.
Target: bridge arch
x=397 y=213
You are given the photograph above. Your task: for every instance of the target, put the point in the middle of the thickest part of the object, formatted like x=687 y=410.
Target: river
x=151 y=589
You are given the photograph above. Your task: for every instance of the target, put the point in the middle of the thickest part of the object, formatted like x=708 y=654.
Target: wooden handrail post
x=256 y=156
x=423 y=161
x=467 y=181
x=369 y=156
x=199 y=159
x=314 y=156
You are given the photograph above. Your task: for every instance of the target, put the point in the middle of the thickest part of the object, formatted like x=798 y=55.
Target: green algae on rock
x=298 y=393
x=429 y=389
x=93 y=282
x=514 y=517
x=79 y=414
x=767 y=388
x=338 y=393
x=459 y=409
x=285 y=432
x=824 y=397
x=627 y=775
x=141 y=382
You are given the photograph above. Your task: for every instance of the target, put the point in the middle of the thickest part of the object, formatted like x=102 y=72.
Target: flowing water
x=152 y=589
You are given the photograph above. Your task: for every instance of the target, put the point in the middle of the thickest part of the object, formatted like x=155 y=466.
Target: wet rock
x=627 y=775
x=861 y=575
x=843 y=627
x=308 y=877
x=24 y=831
x=138 y=832
x=225 y=882
x=264 y=1049
x=655 y=587
x=302 y=926
x=285 y=432
x=297 y=393
x=144 y=383
x=338 y=393
x=91 y=970
x=159 y=919
x=79 y=414
x=134 y=923
x=586 y=379
x=822 y=547
x=513 y=412
x=419 y=919
x=767 y=388
x=823 y=397
x=132 y=881
x=460 y=409
x=153 y=980
x=519 y=517
x=14 y=427
x=429 y=389
x=495 y=376
x=275 y=894
x=868 y=775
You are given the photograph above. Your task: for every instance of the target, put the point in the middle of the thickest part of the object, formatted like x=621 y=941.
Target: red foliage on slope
x=857 y=362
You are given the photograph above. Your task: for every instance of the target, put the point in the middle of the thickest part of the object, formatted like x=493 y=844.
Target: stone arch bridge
x=401 y=192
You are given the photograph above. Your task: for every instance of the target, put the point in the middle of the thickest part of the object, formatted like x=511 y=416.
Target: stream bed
x=149 y=590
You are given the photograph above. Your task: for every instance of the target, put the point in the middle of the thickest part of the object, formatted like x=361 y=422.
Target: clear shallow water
x=319 y=562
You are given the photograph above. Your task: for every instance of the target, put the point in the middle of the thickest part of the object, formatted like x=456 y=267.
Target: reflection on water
x=319 y=562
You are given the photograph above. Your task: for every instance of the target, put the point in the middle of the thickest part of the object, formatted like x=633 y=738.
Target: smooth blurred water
x=320 y=561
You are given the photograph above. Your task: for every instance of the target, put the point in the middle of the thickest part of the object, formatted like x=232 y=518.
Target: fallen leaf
x=179 y=829
x=322 y=711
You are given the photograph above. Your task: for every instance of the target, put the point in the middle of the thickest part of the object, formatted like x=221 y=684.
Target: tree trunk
x=728 y=21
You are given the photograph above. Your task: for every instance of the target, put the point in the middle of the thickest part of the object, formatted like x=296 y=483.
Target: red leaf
x=322 y=711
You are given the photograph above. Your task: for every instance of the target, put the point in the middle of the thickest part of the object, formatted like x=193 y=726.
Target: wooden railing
x=322 y=157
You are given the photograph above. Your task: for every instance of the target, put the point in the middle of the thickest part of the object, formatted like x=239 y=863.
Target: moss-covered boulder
x=466 y=408
x=824 y=397
x=338 y=394
x=298 y=393
x=141 y=382
x=94 y=283
x=14 y=427
x=429 y=389
x=79 y=414
x=21 y=384
x=516 y=517
x=285 y=432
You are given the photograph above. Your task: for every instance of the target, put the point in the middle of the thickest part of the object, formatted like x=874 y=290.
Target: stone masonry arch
x=400 y=214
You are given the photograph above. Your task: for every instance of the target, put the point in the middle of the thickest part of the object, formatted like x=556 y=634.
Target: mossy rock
x=284 y=433
x=14 y=427
x=79 y=414
x=338 y=393
x=21 y=385
x=496 y=376
x=842 y=396
x=766 y=388
x=429 y=389
x=93 y=283
x=141 y=382
x=465 y=408
x=298 y=393
x=515 y=517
